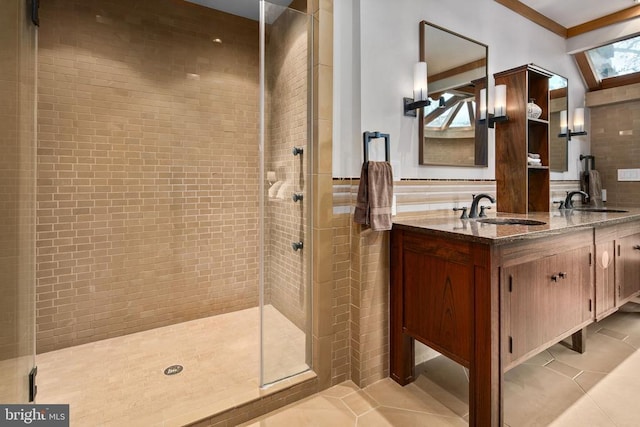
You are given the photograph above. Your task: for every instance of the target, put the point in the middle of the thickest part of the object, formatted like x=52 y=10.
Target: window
x=616 y=59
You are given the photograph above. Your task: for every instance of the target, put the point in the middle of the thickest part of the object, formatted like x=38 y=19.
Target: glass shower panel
x=285 y=196
x=17 y=200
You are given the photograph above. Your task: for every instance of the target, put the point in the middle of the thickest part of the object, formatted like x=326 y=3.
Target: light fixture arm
x=410 y=106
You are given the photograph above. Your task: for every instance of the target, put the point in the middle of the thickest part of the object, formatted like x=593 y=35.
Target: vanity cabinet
x=628 y=267
x=520 y=187
x=545 y=299
x=490 y=297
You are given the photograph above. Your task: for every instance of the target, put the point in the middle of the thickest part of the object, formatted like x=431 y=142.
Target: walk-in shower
x=173 y=221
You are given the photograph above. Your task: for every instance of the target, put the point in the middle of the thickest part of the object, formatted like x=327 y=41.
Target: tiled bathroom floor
x=120 y=381
x=558 y=387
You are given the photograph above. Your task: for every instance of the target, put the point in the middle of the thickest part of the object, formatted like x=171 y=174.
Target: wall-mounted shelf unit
x=520 y=187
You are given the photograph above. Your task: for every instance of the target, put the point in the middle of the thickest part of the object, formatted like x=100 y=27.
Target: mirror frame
x=481 y=140
x=555 y=133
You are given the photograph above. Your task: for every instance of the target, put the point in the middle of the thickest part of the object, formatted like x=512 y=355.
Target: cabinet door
x=573 y=299
x=628 y=267
x=546 y=298
x=528 y=311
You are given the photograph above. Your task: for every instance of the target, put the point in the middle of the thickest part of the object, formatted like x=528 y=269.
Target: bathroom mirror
x=450 y=133
x=558 y=141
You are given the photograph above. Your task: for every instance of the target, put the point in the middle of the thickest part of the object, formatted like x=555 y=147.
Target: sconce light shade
x=500 y=101
x=499 y=106
x=578 y=124
x=563 y=122
x=420 y=81
x=483 y=104
x=578 y=120
x=420 y=95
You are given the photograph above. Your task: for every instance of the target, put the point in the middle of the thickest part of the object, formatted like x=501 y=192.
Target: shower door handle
x=35 y=15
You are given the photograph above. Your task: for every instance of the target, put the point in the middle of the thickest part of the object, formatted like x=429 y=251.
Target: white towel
x=534 y=161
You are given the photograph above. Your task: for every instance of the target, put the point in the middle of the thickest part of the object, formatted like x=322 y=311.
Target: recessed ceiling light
x=219 y=41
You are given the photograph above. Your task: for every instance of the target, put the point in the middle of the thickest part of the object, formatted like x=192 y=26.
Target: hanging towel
x=361 y=215
x=595 y=188
x=375 y=196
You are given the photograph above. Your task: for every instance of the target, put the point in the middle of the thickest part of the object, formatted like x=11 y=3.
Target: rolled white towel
x=530 y=160
x=533 y=155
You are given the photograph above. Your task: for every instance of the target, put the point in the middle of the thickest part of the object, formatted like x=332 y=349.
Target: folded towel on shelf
x=533 y=155
x=534 y=162
x=375 y=196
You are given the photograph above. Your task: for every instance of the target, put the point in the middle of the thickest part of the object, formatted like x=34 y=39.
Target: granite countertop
x=556 y=222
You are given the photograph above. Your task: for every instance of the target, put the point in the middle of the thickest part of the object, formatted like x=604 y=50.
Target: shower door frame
x=308 y=158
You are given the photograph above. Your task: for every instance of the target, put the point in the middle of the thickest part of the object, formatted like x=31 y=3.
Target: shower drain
x=173 y=370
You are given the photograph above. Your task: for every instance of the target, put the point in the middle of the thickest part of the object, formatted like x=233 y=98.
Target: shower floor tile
x=120 y=381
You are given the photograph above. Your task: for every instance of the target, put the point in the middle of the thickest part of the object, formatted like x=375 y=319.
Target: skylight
x=616 y=59
x=455 y=115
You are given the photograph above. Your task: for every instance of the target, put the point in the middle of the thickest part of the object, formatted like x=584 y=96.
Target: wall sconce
x=420 y=97
x=563 y=123
x=578 y=124
x=499 y=106
x=483 y=104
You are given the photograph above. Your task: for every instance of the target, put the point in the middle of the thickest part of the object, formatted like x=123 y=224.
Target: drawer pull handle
x=554 y=277
x=562 y=275
x=637 y=247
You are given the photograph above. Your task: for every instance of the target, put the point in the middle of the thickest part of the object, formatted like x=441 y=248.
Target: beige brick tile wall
x=614 y=133
x=147 y=158
x=341 y=299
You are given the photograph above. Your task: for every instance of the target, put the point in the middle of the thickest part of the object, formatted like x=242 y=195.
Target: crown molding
x=551 y=25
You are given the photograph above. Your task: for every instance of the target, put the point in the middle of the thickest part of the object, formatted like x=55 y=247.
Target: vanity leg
x=402 y=357
x=485 y=370
x=579 y=341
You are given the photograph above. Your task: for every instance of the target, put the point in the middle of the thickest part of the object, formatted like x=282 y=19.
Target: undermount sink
x=511 y=221
x=599 y=210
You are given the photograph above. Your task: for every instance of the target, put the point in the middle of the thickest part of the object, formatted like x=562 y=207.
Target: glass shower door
x=285 y=199
x=18 y=43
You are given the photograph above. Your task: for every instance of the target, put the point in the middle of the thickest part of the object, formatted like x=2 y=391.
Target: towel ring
x=368 y=136
x=587 y=158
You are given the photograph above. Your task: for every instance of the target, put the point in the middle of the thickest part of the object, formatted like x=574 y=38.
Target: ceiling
x=567 y=13
x=246 y=8
x=570 y=13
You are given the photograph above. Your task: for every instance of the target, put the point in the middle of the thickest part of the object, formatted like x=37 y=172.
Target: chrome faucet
x=568 y=202
x=473 y=211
